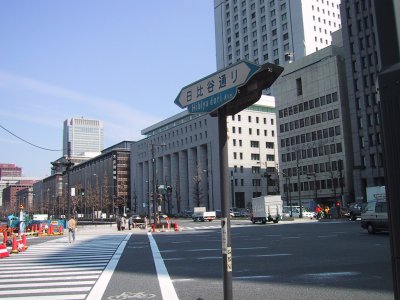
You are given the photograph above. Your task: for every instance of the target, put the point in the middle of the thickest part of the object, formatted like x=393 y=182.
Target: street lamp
x=298 y=183
x=288 y=199
x=315 y=185
x=153 y=162
x=208 y=188
x=233 y=189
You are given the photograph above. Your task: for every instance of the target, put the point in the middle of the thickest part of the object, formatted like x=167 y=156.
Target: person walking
x=130 y=222
x=119 y=223
x=71 y=229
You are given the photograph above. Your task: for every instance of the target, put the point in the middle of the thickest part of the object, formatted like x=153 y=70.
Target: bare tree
x=177 y=194
x=197 y=189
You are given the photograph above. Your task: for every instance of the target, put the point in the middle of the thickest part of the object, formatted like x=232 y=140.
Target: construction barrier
x=4 y=251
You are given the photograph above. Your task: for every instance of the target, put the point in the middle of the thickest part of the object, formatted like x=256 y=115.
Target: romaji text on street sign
x=213 y=91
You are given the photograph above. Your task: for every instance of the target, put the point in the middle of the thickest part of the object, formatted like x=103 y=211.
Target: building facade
x=276 y=31
x=99 y=185
x=182 y=152
x=362 y=57
x=10 y=170
x=10 y=199
x=83 y=137
x=313 y=130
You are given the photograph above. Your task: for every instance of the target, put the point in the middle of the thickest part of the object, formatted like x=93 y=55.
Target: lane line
x=167 y=288
x=101 y=284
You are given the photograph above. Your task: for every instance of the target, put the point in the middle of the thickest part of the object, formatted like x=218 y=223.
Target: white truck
x=266 y=209
x=201 y=214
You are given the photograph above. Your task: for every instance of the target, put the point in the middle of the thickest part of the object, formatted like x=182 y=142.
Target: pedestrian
x=130 y=222
x=318 y=210
x=71 y=229
x=119 y=223
x=123 y=223
x=327 y=212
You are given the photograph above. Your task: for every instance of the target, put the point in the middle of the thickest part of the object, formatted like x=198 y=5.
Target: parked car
x=374 y=217
x=355 y=210
x=296 y=212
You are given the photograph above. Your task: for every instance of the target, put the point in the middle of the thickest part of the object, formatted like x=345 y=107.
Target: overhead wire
x=25 y=141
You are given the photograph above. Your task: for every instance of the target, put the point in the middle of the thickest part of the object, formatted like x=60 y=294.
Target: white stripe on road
x=167 y=288
x=40 y=270
x=82 y=272
x=52 y=297
x=101 y=284
x=49 y=284
x=46 y=291
x=64 y=278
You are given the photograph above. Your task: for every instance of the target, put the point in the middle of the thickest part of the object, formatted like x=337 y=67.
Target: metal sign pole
x=225 y=221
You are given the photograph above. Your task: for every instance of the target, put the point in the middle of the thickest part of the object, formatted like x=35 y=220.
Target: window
x=299 y=87
x=254 y=144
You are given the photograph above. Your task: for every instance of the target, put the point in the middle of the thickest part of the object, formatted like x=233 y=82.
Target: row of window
x=311 y=136
x=254 y=144
x=250 y=132
x=250 y=118
x=331 y=183
x=309 y=121
x=310 y=104
x=312 y=152
x=335 y=165
x=253 y=156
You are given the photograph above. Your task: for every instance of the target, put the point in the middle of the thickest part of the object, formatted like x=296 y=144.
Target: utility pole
x=298 y=183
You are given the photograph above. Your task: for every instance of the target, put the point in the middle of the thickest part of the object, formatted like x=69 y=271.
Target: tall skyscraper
x=84 y=136
x=276 y=31
x=361 y=52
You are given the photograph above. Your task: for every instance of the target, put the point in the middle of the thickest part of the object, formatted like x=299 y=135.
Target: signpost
x=220 y=94
x=213 y=91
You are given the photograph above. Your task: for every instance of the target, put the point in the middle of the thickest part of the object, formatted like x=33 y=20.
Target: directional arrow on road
x=217 y=89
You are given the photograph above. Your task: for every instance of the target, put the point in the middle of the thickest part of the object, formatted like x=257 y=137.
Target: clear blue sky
x=122 y=62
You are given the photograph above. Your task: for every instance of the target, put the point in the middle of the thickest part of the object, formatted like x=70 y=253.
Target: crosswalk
x=57 y=269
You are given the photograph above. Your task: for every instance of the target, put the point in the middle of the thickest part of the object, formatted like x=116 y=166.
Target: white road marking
x=101 y=284
x=167 y=288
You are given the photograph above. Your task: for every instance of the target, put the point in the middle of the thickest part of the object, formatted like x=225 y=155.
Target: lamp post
x=298 y=183
x=315 y=185
x=208 y=188
x=153 y=162
x=233 y=189
x=288 y=199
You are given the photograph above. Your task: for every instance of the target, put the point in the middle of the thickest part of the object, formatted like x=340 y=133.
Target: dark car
x=355 y=210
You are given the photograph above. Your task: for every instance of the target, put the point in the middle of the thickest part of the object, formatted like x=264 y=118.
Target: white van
x=375 y=217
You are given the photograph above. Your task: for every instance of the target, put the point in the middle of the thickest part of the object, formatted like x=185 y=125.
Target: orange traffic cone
x=153 y=227
x=24 y=241
x=60 y=231
x=14 y=246
x=3 y=251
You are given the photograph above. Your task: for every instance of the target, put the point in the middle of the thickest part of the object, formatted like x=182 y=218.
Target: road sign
x=217 y=89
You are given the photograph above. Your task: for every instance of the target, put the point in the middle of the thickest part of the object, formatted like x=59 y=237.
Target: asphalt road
x=307 y=260
x=290 y=260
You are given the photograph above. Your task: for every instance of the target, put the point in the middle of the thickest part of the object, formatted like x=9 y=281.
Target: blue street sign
x=217 y=89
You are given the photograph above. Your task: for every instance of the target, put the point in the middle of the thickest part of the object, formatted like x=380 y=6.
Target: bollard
x=153 y=227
